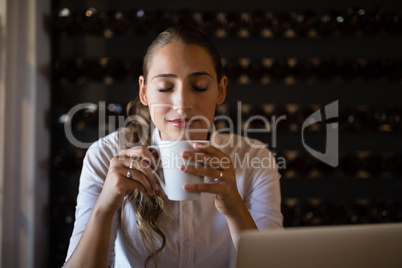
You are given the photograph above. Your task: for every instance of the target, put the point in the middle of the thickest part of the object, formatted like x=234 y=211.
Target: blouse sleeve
x=261 y=189
x=93 y=174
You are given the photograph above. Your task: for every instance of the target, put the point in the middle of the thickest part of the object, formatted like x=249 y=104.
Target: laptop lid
x=349 y=246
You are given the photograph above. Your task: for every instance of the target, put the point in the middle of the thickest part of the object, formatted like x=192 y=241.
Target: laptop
x=347 y=246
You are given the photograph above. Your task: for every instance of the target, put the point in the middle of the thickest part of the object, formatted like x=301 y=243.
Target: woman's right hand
x=118 y=184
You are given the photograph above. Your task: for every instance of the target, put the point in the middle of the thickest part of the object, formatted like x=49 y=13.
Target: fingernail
x=185 y=154
x=198 y=145
x=156 y=187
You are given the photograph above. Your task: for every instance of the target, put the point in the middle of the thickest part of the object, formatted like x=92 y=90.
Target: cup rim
x=166 y=143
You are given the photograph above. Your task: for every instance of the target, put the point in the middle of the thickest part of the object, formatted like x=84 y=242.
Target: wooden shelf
x=134 y=46
x=375 y=93
x=341 y=188
x=349 y=142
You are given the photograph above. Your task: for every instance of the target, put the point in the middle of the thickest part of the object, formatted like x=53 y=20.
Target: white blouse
x=197 y=235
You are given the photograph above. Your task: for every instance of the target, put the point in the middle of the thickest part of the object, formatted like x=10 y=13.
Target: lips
x=182 y=122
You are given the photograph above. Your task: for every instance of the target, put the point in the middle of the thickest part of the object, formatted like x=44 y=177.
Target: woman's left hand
x=213 y=163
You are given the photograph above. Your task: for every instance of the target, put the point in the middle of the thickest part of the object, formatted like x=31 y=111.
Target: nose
x=183 y=99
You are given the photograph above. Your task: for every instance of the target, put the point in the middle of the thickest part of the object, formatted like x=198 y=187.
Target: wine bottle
x=379 y=212
x=90 y=21
x=328 y=22
x=308 y=214
x=303 y=70
x=117 y=22
x=64 y=211
x=209 y=22
x=256 y=70
x=394 y=165
x=326 y=69
x=61 y=19
x=357 y=214
x=302 y=114
x=232 y=23
x=395 y=118
x=69 y=161
x=350 y=70
x=379 y=119
x=280 y=119
x=139 y=21
x=374 y=165
x=85 y=118
x=94 y=70
x=353 y=119
x=279 y=69
x=371 y=22
x=135 y=68
x=304 y=22
x=350 y=22
x=289 y=216
x=330 y=213
x=395 y=70
x=117 y=69
x=280 y=23
x=303 y=164
x=233 y=69
x=324 y=168
x=59 y=117
x=350 y=164
x=257 y=118
x=257 y=22
x=115 y=115
x=185 y=17
x=161 y=20
x=223 y=118
x=71 y=69
x=392 y=22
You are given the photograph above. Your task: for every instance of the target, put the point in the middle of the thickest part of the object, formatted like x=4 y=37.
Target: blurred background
x=283 y=58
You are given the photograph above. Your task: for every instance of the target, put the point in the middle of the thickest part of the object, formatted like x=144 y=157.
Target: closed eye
x=199 y=89
x=164 y=89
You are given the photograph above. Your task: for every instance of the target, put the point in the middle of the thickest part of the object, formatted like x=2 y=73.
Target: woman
x=123 y=218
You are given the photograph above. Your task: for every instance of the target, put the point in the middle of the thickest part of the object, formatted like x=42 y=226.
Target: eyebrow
x=168 y=75
x=201 y=73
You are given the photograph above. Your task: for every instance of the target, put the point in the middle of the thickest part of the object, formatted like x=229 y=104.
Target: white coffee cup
x=170 y=176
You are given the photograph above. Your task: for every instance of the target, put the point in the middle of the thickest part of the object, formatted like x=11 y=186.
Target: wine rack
x=289 y=58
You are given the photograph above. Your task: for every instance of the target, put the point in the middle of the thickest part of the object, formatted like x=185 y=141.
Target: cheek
x=208 y=110
x=158 y=112
x=158 y=106
x=155 y=98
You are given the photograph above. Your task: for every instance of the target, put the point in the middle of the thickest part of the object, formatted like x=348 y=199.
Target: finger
x=139 y=152
x=208 y=149
x=143 y=166
x=135 y=185
x=138 y=176
x=216 y=162
x=121 y=180
x=204 y=171
x=217 y=189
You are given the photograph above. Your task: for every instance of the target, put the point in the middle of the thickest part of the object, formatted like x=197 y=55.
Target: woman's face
x=182 y=91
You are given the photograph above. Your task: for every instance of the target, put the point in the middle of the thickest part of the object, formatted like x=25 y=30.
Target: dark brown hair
x=188 y=36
